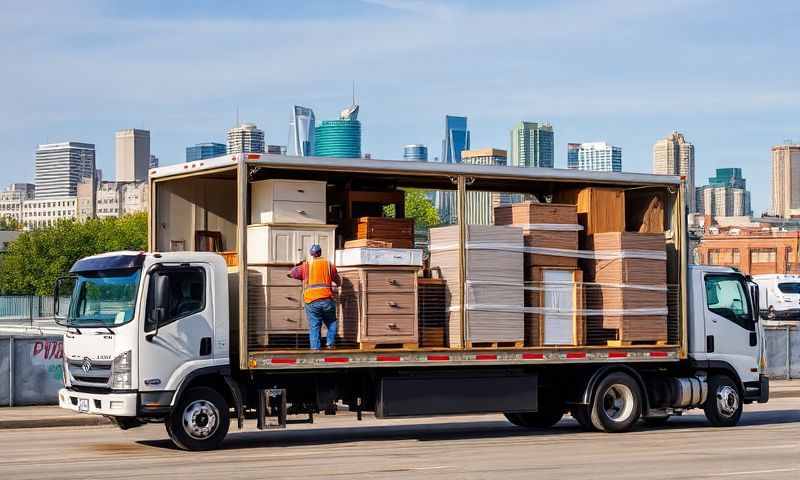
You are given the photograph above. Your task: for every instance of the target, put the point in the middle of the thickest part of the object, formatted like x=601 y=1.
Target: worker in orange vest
x=318 y=276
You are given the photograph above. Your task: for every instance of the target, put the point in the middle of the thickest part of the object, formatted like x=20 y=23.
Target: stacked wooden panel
x=382 y=302
x=397 y=231
x=494 y=296
x=625 y=283
x=432 y=307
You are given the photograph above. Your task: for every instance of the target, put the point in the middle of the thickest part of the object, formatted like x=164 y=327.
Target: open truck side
x=198 y=366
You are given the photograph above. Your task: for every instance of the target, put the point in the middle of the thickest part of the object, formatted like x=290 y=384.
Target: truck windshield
x=789 y=287
x=103 y=299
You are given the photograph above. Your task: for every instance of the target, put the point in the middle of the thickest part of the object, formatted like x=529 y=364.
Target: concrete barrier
x=30 y=370
x=782 y=347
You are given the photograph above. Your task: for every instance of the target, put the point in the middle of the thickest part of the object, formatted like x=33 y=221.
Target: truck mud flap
x=450 y=395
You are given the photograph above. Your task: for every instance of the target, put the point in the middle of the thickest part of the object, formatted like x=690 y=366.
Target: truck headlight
x=121 y=372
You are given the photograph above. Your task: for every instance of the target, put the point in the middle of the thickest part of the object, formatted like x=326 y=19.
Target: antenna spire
x=354 y=92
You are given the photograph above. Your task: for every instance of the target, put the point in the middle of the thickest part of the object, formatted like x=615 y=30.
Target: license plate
x=83 y=405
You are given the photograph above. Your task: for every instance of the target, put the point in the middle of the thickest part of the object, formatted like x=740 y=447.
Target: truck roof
x=412 y=168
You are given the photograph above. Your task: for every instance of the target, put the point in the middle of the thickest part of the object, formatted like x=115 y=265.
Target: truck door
x=730 y=330
x=178 y=331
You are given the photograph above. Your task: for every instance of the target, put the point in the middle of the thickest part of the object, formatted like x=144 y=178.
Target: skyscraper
x=480 y=205
x=673 y=155
x=456 y=138
x=532 y=145
x=785 y=180
x=61 y=166
x=153 y=161
x=415 y=152
x=597 y=156
x=246 y=138
x=132 y=151
x=339 y=138
x=201 y=151
x=301 y=132
x=725 y=195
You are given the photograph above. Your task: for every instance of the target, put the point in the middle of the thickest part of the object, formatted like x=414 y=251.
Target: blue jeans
x=319 y=312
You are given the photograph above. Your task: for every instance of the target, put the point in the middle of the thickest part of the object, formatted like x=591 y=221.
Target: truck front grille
x=98 y=373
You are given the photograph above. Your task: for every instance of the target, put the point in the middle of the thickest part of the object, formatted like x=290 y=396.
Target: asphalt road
x=764 y=446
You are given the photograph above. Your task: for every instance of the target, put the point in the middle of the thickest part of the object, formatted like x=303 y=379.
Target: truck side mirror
x=63 y=288
x=160 y=293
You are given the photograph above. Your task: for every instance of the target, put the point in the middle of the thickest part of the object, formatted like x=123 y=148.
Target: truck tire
x=617 y=403
x=200 y=420
x=581 y=415
x=541 y=419
x=724 y=403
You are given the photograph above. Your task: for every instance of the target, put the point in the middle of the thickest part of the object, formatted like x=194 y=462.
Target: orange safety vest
x=317 y=280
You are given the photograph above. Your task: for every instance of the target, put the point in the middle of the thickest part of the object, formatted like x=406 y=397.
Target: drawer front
x=277 y=276
x=391 y=325
x=286 y=320
x=391 y=303
x=390 y=281
x=298 y=212
x=285 y=297
x=300 y=191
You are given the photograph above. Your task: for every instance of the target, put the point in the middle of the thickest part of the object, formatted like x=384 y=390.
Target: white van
x=779 y=296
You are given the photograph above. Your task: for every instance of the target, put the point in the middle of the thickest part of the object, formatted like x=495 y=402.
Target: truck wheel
x=617 y=403
x=200 y=420
x=541 y=419
x=724 y=403
x=581 y=415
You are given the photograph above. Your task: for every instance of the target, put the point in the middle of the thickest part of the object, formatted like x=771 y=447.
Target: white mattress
x=351 y=257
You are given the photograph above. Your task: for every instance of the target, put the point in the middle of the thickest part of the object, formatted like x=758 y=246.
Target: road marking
x=433 y=467
x=753 y=472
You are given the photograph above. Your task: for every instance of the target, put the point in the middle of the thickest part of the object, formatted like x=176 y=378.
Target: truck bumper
x=757 y=391
x=111 y=404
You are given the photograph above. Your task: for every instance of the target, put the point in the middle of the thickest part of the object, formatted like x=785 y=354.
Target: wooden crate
x=600 y=209
x=494 y=284
x=528 y=214
x=432 y=312
x=543 y=295
x=397 y=231
x=639 y=271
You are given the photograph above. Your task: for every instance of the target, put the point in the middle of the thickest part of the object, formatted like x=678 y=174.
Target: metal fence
x=30 y=370
x=28 y=310
x=782 y=347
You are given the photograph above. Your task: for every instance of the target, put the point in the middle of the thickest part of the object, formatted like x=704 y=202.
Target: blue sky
x=628 y=72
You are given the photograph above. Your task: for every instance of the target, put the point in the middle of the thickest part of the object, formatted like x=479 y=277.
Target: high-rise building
x=597 y=156
x=339 y=138
x=61 y=166
x=480 y=205
x=12 y=198
x=276 y=149
x=673 y=155
x=416 y=152
x=532 y=145
x=456 y=138
x=725 y=195
x=132 y=152
x=301 y=132
x=153 y=161
x=246 y=138
x=201 y=151
x=786 y=180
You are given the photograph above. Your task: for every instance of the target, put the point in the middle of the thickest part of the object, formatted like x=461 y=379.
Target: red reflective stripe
x=576 y=355
x=283 y=360
x=658 y=354
x=532 y=356
x=485 y=357
x=253 y=156
x=438 y=358
x=336 y=359
x=385 y=358
x=617 y=354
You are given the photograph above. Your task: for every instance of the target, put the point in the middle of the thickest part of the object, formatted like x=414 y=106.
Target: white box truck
x=167 y=335
x=779 y=295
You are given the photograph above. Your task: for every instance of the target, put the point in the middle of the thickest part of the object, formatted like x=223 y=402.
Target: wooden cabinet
x=382 y=301
x=274 y=303
x=287 y=201
x=287 y=244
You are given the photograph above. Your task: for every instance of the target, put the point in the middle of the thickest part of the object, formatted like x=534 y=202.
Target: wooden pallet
x=495 y=345
x=632 y=343
x=388 y=346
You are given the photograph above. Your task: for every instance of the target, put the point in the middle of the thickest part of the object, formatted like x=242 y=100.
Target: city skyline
x=633 y=104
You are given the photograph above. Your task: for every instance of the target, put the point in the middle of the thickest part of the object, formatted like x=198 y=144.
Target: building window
x=723 y=256
x=762 y=255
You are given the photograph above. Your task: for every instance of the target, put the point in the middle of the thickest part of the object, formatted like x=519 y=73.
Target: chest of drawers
x=382 y=301
x=287 y=201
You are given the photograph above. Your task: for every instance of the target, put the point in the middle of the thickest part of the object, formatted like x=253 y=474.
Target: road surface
x=765 y=446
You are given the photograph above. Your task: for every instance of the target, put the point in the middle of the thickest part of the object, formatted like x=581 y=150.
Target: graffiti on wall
x=48 y=354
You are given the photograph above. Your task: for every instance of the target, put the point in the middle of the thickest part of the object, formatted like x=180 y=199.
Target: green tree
x=417 y=207
x=37 y=258
x=8 y=223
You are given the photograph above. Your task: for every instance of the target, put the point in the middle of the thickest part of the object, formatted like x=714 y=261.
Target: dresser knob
x=392 y=304
x=393 y=326
x=391 y=281
x=301 y=212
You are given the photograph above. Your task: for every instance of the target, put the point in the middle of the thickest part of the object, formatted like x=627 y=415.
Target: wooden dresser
x=274 y=302
x=382 y=301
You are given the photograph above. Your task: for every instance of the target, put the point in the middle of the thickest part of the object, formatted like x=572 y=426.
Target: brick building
x=752 y=250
